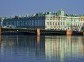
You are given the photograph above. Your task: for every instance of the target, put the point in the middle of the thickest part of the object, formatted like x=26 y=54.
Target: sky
x=23 y=7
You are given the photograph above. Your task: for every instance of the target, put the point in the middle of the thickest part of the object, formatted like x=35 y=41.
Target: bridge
x=38 y=31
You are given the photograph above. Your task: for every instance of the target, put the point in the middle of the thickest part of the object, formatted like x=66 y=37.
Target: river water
x=26 y=48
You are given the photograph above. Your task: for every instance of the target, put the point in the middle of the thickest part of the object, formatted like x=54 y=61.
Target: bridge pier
x=38 y=36
x=38 y=31
x=69 y=32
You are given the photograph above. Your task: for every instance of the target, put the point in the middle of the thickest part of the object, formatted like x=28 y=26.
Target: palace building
x=47 y=20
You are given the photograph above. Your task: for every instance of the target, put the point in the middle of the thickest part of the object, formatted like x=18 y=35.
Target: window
x=50 y=23
x=53 y=23
x=47 y=23
x=63 y=23
x=58 y=23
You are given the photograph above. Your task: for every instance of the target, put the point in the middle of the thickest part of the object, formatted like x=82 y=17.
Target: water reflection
x=63 y=48
x=24 y=48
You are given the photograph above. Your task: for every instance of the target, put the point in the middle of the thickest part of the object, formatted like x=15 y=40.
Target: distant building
x=47 y=20
x=26 y=22
x=1 y=21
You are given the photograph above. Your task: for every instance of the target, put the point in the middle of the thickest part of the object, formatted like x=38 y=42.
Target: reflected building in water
x=19 y=44
x=62 y=47
x=58 y=48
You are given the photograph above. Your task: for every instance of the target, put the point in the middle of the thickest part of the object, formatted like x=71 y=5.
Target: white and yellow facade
x=62 y=22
